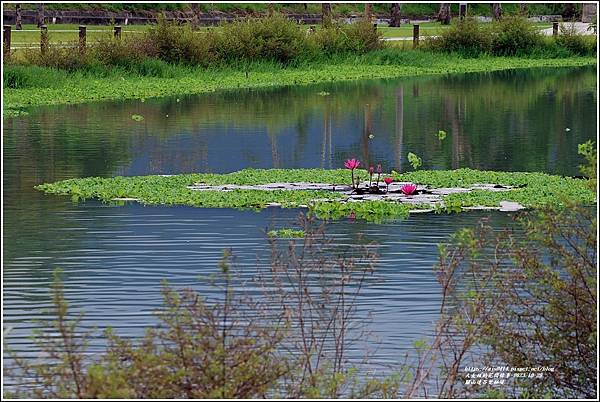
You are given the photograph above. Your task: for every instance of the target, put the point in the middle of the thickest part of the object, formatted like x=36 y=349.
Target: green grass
x=533 y=190
x=30 y=36
x=430 y=29
x=27 y=86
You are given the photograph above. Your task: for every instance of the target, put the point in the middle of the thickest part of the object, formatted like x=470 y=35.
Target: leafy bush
x=273 y=38
x=123 y=52
x=62 y=56
x=514 y=35
x=360 y=37
x=467 y=37
x=574 y=42
x=179 y=44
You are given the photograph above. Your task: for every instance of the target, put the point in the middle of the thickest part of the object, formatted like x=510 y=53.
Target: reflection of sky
x=492 y=134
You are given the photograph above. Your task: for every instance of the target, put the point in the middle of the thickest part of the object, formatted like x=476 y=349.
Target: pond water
x=114 y=258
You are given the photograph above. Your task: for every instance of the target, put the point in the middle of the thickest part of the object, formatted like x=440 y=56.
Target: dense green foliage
x=532 y=190
x=511 y=36
x=273 y=38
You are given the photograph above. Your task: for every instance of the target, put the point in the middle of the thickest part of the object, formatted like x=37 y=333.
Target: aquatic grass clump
x=372 y=211
x=529 y=189
x=285 y=233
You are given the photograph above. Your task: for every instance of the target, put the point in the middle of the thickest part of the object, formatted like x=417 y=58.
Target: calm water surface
x=115 y=257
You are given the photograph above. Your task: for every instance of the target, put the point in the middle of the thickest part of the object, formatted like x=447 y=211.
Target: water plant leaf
x=414 y=160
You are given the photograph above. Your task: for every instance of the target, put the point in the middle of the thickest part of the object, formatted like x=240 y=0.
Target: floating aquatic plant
x=414 y=160
x=530 y=189
x=286 y=233
x=137 y=117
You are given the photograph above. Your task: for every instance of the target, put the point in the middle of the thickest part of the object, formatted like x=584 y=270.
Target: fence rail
x=81 y=44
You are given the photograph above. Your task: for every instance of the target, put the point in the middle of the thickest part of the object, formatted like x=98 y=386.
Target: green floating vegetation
x=531 y=189
x=15 y=112
x=27 y=86
x=137 y=117
x=286 y=233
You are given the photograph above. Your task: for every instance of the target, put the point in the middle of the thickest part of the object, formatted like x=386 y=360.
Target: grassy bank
x=531 y=190
x=27 y=86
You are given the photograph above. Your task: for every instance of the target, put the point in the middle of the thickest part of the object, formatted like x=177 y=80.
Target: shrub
x=514 y=35
x=62 y=56
x=179 y=44
x=359 y=37
x=362 y=37
x=124 y=52
x=274 y=38
x=467 y=37
x=574 y=42
x=530 y=303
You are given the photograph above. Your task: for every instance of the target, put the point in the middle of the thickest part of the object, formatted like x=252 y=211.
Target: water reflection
x=114 y=257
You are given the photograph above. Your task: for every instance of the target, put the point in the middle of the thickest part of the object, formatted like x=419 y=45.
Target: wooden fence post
x=6 y=40
x=43 y=38
x=82 y=35
x=555 y=28
x=117 y=32
x=415 y=35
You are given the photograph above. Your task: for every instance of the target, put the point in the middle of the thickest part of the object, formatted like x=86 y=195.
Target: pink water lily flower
x=352 y=164
x=387 y=181
x=408 y=188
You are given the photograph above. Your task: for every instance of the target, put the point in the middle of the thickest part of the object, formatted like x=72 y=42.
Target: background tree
x=395 y=14
x=195 y=18
x=40 y=14
x=524 y=9
x=496 y=11
x=368 y=11
x=444 y=13
x=326 y=14
x=570 y=11
x=18 y=25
